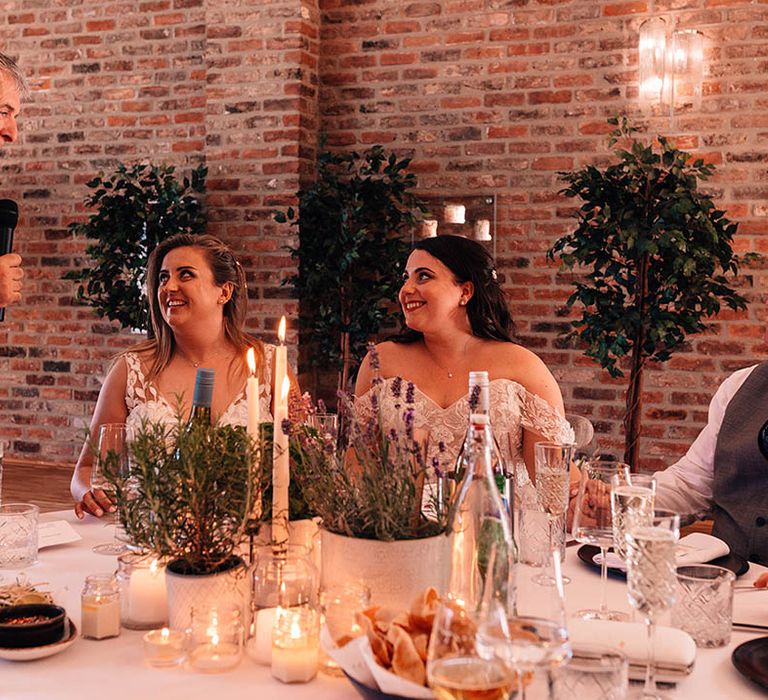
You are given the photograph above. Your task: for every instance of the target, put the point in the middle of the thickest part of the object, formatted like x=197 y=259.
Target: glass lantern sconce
x=671 y=68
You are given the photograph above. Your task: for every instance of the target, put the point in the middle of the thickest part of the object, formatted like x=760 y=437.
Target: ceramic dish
x=32 y=625
x=372 y=693
x=732 y=562
x=32 y=653
x=751 y=660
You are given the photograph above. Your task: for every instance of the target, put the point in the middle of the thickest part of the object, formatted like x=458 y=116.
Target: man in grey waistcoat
x=725 y=470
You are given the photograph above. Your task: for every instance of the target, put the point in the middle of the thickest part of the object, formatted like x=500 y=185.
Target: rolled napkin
x=675 y=650
x=699 y=548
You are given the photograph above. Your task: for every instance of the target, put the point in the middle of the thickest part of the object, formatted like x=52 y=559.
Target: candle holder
x=164 y=647
x=215 y=639
x=295 y=644
x=143 y=603
x=100 y=606
x=282 y=576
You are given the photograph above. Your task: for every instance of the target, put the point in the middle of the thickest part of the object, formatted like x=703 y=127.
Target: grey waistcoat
x=740 y=487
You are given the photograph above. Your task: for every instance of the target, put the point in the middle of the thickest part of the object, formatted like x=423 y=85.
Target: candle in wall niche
x=455 y=213
x=429 y=228
x=252 y=395
x=482 y=230
x=280 y=469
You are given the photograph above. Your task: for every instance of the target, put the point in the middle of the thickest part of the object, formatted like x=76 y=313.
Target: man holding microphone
x=13 y=87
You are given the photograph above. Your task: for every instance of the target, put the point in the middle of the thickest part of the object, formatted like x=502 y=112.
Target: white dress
x=513 y=408
x=145 y=403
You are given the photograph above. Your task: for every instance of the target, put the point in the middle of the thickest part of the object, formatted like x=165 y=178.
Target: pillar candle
x=280 y=468
x=147 y=603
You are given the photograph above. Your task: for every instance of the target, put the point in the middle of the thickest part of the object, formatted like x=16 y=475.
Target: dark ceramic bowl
x=17 y=631
x=372 y=693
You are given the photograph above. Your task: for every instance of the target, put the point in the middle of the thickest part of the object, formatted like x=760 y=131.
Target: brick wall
x=489 y=96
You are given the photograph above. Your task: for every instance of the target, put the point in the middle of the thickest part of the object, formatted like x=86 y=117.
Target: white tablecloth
x=115 y=668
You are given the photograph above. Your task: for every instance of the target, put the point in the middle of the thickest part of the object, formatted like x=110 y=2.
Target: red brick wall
x=181 y=81
x=489 y=96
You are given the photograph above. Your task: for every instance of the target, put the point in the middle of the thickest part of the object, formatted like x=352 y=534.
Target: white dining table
x=115 y=668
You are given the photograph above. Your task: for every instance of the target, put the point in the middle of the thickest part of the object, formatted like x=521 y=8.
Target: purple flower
x=321 y=408
x=397 y=387
x=375 y=361
x=408 y=417
x=441 y=447
x=439 y=473
x=287 y=426
x=409 y=389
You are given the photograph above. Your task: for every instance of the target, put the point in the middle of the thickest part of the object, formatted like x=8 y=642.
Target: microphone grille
x=9 y=213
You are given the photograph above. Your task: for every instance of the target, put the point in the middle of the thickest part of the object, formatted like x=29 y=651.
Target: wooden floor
x=41 y=483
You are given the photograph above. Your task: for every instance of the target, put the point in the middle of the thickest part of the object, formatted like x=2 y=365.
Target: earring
x=462 y=302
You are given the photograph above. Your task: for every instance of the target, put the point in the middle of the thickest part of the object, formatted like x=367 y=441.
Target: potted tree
x=189 y=499
x=136 y=207
x=654 y=256
x=353 y=223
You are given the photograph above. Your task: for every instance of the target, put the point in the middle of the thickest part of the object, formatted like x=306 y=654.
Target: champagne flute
x=111 y=459
x=631 y=497
x=455 y=669
x=592 y=523
x=651 y=578
x=553 y=465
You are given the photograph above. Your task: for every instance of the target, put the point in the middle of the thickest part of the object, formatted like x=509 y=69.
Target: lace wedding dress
x=145 y=402
x=513 y=409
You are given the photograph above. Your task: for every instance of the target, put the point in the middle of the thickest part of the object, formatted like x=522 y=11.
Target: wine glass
x=111 y=459
x=533 y=634
x=553 y=464
x=651 y=578
x=455 y=669
x=592 y=523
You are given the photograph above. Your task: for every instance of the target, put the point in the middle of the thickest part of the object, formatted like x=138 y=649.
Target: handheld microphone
x=9 y=216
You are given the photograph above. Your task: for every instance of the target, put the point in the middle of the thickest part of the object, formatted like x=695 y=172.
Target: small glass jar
x=143 y=604
x=282 y=576
x=295 y=644
x=100 y=606
x=215 y=639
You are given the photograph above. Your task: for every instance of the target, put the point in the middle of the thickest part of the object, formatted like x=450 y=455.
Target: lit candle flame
x=250 y=357
x=165 y=633
x=281 y=331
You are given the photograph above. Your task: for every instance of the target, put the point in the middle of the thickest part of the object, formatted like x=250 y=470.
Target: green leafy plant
x=136 y=207
x=352 y=221
x=654 y=254
x=190 y=494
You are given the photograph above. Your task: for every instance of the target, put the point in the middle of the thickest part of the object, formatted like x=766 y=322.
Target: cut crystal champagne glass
x=592 y=522
x=111 y=458
x=553 y=465
x=631 y=497
x=652 y=579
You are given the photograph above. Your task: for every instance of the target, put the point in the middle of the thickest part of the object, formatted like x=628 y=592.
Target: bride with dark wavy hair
x=457 y=321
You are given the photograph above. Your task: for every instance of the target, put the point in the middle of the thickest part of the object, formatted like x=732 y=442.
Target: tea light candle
x=147 y=603
x=164 y=647
x=215 y=640
x=295 y=645
x=214 y=657
x=455 y=213
x=482 y=230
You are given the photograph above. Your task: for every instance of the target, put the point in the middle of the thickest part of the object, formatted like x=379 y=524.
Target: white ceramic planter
x=227 y=589
x=396 y=572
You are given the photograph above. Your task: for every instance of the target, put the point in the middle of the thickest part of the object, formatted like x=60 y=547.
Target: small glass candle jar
x=164 y=647
x=141 y=578
x=215 y=639
x=100 y=605
x=281 y=577
x=295 y=644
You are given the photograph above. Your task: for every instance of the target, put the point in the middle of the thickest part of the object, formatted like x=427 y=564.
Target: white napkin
x=698 y=548
x=674 y=650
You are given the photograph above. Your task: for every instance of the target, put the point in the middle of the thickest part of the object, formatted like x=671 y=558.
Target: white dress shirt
x=686 y=486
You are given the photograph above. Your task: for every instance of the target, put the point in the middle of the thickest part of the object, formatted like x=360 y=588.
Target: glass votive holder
x=593 y=673
x=100 y=607
x=295 y=644
x=18 y=535
x=215 y=639
x=704 y=604
x=143 y=602
x=282 y=577
x=338 y=607
x=164 y=647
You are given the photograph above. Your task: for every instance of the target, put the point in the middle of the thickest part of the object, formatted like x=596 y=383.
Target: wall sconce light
x=671 y=67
